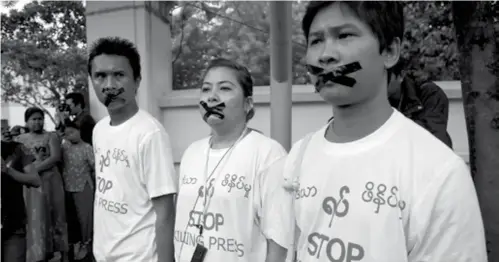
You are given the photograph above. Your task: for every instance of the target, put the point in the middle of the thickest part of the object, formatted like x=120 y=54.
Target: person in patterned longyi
x=78 y=175
x=47 y=229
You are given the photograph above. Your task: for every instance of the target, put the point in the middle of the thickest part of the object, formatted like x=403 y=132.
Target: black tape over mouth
x=338 y=75
x=112 y=94
x=216 y=110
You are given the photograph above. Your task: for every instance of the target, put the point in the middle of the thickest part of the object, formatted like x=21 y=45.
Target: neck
x=226 y=137
x=357 y=121
x=121 y=115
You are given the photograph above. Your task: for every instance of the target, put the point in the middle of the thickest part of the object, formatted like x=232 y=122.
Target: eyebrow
x=221 y=82
x=112 y=71
x=333 y=28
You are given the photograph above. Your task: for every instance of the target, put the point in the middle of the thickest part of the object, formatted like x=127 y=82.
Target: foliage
x=240 y=30
x=43 y=52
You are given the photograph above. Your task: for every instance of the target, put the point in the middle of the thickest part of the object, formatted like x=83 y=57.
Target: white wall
x=15 y=114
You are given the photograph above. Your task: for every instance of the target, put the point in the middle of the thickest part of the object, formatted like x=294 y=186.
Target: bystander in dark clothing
x=77 y=114
x=425 y=104
x=15 y=161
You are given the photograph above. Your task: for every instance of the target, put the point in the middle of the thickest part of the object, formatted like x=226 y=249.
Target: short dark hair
x=116 y=46
x=31 y=111
x=70 y=124
x=77 y=98
x=384 y=18
x=243 y=76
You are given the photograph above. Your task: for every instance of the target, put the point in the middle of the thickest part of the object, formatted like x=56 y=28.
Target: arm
x=30 y=177
x=446 y=222
x=165 y=222
x=271 y=210
x=55 y=155
x=91 y=161
x=436 y=112
x=160 y=180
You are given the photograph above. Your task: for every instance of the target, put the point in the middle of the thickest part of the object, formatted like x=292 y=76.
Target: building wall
x=14 y=113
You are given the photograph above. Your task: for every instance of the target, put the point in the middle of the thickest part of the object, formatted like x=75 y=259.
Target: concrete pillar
x=144 y=23
x=281 y=72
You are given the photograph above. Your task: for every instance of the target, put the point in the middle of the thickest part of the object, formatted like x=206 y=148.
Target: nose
x=110 y=82
x=330 y=54
x=213 y=97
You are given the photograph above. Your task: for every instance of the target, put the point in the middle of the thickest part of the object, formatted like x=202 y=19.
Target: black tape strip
x=338 y=75
x=214 y=110
x=111 y=94
x=340 y=70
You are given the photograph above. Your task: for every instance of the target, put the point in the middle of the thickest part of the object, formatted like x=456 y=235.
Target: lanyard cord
x=243 y=134
x=208 y=195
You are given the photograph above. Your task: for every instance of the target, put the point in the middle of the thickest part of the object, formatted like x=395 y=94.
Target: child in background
x=78 y=174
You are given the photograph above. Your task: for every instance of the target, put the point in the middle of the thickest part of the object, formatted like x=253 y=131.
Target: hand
x=36 y=164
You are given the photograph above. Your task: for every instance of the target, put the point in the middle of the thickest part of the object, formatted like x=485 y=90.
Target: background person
x=426 y=104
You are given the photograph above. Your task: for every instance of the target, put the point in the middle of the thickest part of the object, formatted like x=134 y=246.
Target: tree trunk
x=478 y=47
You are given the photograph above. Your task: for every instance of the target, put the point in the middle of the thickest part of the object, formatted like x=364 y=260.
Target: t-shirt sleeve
x=271 y=201
x=446 y=222
x=158 y=173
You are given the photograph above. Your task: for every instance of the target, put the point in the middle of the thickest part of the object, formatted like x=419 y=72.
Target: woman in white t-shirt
x=225 y=179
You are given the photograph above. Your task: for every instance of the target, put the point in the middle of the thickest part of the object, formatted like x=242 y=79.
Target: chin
x=213 y=121
x=115 y=105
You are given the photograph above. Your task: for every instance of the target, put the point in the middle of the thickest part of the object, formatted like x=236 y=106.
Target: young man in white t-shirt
x=372 y=185
x=135 y=177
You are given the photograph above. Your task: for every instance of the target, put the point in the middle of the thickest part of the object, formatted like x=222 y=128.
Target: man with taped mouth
x=135 y=177
x=372 y=185
x=223 y=210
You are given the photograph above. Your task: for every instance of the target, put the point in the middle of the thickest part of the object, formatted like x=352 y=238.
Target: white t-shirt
x=397 y=195
x=133 y=165
x=238 y=219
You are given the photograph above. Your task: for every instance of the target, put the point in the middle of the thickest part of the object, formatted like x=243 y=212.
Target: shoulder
x=65 y=144
x=102 y=124
x=264 y=149
x=304 y=141
x=88 y=118
x=197 y=146
x=146 y=125
x=53 y=136
x=431 y=89
x=264 y=143
x=147 y=119
x=87 y=146
x=426 y=152
x=22 y=137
